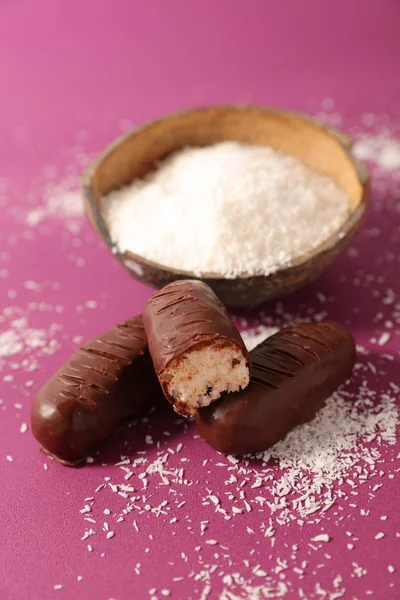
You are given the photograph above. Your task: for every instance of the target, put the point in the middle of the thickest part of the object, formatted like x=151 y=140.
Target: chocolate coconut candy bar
x=110 y=379
x=197 y=352
x=293 y=373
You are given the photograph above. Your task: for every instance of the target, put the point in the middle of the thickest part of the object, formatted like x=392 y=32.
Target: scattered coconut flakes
x=61 y=203
x=391 y=569
x=322 y=537
x=22 y=340
x=384 y=338
x=381 y=149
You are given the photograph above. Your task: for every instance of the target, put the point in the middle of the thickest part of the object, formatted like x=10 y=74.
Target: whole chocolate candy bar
x=197 y=351
x=294 y=372
x=110 y=379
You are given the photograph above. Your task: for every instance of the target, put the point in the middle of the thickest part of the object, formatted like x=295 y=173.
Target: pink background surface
x=68 y=67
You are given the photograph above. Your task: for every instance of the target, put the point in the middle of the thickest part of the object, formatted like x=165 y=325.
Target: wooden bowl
x=318 y=146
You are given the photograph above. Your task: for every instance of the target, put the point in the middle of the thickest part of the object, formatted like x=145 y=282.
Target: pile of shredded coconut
x=230 y=208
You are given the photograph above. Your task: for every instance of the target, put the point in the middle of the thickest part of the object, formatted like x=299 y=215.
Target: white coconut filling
x=199 y=377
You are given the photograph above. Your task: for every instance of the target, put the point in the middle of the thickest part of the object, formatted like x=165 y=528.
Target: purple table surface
x=73 y=76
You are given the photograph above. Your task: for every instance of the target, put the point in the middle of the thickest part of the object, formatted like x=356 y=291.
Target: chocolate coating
x=294 y=372
x=181 y=316
x=110 y=379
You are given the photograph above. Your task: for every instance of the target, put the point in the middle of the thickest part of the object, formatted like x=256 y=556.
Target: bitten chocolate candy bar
x=293 y=373
x=197 y=351
x=110 y=379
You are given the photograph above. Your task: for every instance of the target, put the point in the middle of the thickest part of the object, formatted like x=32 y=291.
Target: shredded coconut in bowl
x=230 y=208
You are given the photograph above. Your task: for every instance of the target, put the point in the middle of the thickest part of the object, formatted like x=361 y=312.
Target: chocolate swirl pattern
x=293 y=373
x=184 y=318
x=107 y=381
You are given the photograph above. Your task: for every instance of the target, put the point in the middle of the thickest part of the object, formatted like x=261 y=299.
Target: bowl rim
x=130 y=260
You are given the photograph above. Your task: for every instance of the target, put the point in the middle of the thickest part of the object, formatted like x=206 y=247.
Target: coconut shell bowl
x=318 y=146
